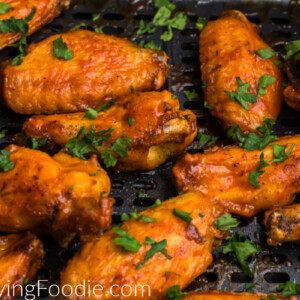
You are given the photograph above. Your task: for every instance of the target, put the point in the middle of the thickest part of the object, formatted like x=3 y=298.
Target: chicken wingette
x=60 y=196
x=45 y=11
x=21 y=256
x=282 y=224
x=216 y=295
x=180 y=252
x=240 y=84
x=153 y=120
x=223 y=174
x=102 y=67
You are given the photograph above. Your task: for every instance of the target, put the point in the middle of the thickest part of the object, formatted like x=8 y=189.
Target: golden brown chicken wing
x=223 y=174
x=292 y=92
x=21 y=257
x=46 y=10
x=153 y=120
x=233 y=73
x=60 y=196
x=103 y=67
x=168 y=251
x=216 y=295
x=283 y=224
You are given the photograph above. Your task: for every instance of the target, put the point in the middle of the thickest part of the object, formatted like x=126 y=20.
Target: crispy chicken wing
x=60 y=196
x=216 y=295
x=292 y=92
x=227 y=51
x=103 y=67
x=46 y=10
x=283 y=224
x=222 y=174
x=159 y=129
x=21 y=257
x=189 y=245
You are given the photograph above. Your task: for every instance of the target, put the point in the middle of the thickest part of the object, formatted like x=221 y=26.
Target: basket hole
x=201 y=121
x=55 y=28
x=116 y=219
x=281 y=34
x=255 y=20
x=297 y=199
x=240 y=277
x=143 y=202
x=290 y=122
x=276 y=277
x=144 y=185
x=192 y=104
x=119 y=201
x=190 y=32
x=117 y=184
x=188 y=60
x=67 y=254
x=116 y=17
x=143 y=17
x=113 y=30
x=281 y=21
x=213 y=18
x=243 y=221
x=209 y=276
x=82 y=16
x=277 y=259
x=189 y=46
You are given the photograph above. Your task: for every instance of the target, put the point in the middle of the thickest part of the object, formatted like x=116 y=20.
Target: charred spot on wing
x=193 y=234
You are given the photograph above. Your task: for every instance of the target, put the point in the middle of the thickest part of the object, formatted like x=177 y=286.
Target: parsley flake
x=134 y=214
x=145 y=29
x=226 y=222
x=5 y=163
x=253 y=176
x=174 y=293
x=191 y=94
x=157 y=203
x=95 y=17
x=280 y=154
x=61 y=50
x=98 y=30
x=263 y=82
x=93 y=113
x=201 y=215
x=288 y=289
x=2 y=133
x=208 y=106
x=130 y=121
x=249 y=287
x=293 y=48
x=81 y=25
x=266 y=53
x=128 y=242
x=4 y=8
x=185 y=216
x=35 y=144
x=206 y=139
x=201 y=23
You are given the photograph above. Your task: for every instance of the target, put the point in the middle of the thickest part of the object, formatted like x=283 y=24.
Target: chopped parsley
x=93 y=113
x=249 y=287
x=185 y=216
x=263 y=82
x=130 y=121
x=128 y=242
x=157 y=203
x=174 y=293
x=141 y=194
x=253 y=176
x=241 y=94
x=61 y=50
x=95 y=17
x=156 y=247
x=81 y=25
x=35 y=144
x=226 y=222
x=239 y=247
x=201 y=23
x=201 y=215
x=2 y=133
x=252 y=141
x=5 y=163
x=266 y=53
x=98 y=30
x=149 y=45
x=204 y=84
x=293 y=48
x=187 y=117
x=145 y=29
x=208 y=106
x=191 y=94
x=4 y=8
x=288 y=289
x=134 y=214
x=206 y=139
x=280 y=154
x=131 y=89
x=26 y=280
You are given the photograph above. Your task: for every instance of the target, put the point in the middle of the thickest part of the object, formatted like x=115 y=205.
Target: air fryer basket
x=279 y=22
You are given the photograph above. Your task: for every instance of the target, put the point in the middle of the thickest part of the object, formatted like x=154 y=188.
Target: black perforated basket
x=279 y=23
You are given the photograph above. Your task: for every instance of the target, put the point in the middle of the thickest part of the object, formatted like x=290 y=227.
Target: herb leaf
x=201 y=23
x=95 y=17
x=280 y=154
x=130 y=121
x=263 y=82
x=174 y=293
x=157 y=203
x=2 y=133
x=98 y=30
x=288 y=289
x=108 y=159
x=266 y=53
x=93 y=113
x=5 y=163
x=150 y=28
x=34 y=143
x=156 y=247
x=292 y=48
x=61 y=50
x=253 y=176
x=240 y=248
x=81 y=25
x=206 y=139
x=249 y=287
x=185 y=216
x=134 y=214
x=128 y=242
x=226 y=222
x=4 y=8
x=241 y=96
x=165 y=3
x=191 y=94
x=208 y=106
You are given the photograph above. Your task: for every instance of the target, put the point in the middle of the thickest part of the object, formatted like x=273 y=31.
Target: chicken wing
x=103 y=67
x=292 y=92
x=153 y=120
x=60 y=196
x=227 y=52
x=186 y=254
x=222 y=174
x=21 y=257
x=216 y=295
x=283 y=224
x=46 y=10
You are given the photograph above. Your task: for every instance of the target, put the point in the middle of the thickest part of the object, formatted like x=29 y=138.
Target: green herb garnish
x=5 y=163
x=128 y=242
x=185 y=216
x=226 y=222
x=253 y=176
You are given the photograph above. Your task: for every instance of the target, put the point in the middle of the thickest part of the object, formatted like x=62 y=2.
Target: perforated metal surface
x=279 y=22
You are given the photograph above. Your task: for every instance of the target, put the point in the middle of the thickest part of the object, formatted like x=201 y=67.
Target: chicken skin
x=187 y=254
x=46 y=10
x=21 y=257
x=283 y=224
x=103 y=67
x=159 y=129
x=216 y=295
x=227 y=52
x=292 y=92
x=60 y=196
x=222 y=174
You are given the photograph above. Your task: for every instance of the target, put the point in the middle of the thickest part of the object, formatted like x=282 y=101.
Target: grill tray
x=279 y=22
